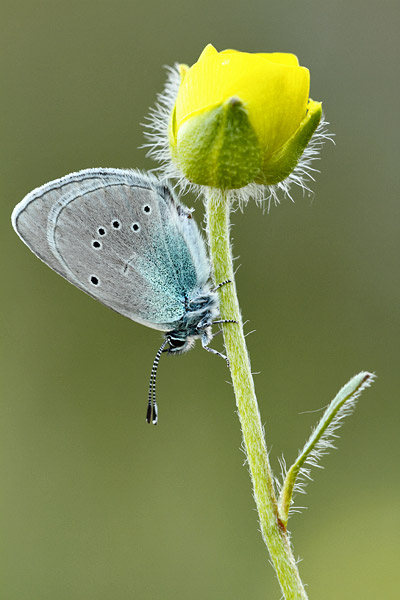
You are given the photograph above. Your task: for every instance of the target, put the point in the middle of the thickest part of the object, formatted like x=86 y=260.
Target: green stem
x=273 y=531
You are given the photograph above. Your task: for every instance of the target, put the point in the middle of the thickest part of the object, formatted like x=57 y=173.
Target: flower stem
x=273 y=531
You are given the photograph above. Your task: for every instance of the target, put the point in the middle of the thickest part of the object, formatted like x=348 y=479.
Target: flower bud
x=241 y=118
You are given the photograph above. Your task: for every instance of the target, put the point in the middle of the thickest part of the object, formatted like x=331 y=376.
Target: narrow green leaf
x=320 y=440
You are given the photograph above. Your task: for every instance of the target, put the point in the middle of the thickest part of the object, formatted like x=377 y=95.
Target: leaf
x=321 y=440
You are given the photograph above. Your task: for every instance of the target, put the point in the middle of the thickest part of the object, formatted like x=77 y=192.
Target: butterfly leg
x=220 y=330
x=221 y=284
x=205 y=341
x=224 y=321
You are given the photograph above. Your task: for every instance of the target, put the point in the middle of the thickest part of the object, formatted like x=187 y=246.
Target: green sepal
x=282 y=162
x=217 y=148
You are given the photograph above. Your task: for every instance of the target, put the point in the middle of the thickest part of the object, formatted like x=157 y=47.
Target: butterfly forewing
x=119 y=236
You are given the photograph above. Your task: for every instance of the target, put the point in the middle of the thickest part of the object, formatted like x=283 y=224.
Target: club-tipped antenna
x=152 y=411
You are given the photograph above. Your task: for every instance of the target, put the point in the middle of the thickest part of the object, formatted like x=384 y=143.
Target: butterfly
x=122 y=237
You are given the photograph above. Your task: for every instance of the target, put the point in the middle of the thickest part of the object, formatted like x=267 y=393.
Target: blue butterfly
x=121 y=237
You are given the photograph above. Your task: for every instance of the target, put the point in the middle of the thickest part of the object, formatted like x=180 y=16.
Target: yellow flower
x=241 y=118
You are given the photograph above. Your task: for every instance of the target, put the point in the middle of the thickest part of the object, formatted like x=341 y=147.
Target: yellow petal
x=283 y=58
x=209 y=50
x=275 y=95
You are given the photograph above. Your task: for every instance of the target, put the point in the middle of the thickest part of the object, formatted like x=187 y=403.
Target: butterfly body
x=121 y=237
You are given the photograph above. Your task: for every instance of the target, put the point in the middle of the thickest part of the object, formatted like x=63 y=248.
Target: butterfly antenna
x=152 y=411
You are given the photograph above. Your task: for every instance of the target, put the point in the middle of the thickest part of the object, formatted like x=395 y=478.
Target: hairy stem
x=273 y=531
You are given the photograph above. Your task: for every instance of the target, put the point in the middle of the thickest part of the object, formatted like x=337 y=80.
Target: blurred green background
x=95 y=504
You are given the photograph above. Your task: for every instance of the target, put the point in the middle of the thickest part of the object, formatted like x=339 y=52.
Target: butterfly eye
x=96 y=244
x=94 y=280
x=101 y=231
x=116 y=224
x=147 y=209
x=135 y=227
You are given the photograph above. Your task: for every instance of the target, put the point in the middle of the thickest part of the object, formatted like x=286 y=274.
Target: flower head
x=235 y=120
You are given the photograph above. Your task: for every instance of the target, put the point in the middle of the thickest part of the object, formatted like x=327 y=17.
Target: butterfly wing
x=119 y=236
